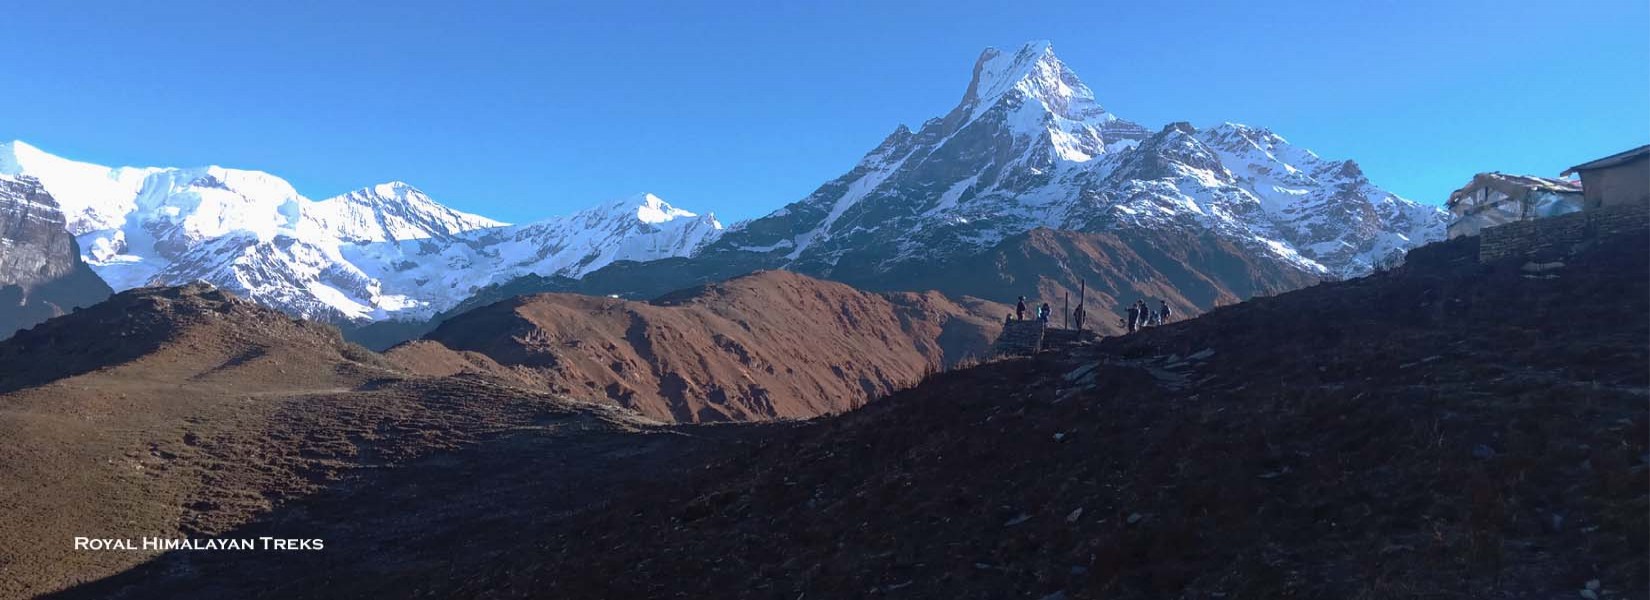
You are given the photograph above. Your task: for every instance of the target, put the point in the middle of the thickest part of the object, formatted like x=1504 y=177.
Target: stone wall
x=1554 y=237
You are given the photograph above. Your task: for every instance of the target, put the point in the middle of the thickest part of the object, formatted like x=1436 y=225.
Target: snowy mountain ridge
x=387 y=251
x=1028 y=146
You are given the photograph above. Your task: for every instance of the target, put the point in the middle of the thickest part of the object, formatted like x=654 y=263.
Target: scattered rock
x=1080 y=372
x=1074 y=515
x=1483 y=452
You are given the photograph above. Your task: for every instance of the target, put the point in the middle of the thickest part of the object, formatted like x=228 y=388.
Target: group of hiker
x=1140 y=315
x=1042 y=312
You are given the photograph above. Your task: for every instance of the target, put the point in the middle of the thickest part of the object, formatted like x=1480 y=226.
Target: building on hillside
x=1492 y=199
x=1621 y=178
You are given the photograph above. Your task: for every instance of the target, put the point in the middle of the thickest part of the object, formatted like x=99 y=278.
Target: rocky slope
x=764 y=346
x=41 y=273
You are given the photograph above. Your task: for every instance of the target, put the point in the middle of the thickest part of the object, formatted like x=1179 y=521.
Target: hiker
x=1144 y=314
x=1008 y=319
x=1020 y=309
x=1043 y=312
x=1163 y=310
x=1134 y=317
x=1077 y=317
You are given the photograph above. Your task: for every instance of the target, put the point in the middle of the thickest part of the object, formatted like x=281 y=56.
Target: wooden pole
x=1067 y=309
x=1082 y=296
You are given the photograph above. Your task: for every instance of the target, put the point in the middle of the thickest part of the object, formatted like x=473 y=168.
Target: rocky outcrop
x=41 y=273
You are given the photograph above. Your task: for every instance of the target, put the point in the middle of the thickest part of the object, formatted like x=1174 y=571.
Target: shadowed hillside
x=1422 y=433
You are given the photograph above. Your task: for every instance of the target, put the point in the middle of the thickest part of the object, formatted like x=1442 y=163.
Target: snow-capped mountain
x=1028 y=146
x=388 y=212
x=443 y=273
x=384 y=252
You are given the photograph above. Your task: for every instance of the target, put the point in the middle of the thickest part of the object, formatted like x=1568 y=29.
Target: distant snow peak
x=995 y=73
x=386 y=251
x=396 y=189
x=1036 y=74
x=1030 y=147
x=389 y=212
x=654 y=210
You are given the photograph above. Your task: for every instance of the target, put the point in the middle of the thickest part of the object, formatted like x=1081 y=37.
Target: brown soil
x=771 y=345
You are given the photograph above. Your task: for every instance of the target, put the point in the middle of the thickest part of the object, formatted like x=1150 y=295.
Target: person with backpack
x=1020 y=309
x=1145 y=313
x=1163 y=310
x=1043 y=313
x=1133 y=318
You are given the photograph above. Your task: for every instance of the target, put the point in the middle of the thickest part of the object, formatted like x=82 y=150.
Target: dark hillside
x=1449 y=430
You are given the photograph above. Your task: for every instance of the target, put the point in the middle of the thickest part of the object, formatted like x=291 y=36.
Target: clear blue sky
x=523 y=110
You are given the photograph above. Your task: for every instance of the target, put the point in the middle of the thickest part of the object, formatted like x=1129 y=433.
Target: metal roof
x=1609 y=161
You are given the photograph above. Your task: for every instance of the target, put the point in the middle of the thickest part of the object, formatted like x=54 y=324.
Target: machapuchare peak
x=1034 y=73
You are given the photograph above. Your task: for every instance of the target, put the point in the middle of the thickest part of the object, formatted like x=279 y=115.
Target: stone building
x=1621 y=178
x=1492 y=199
